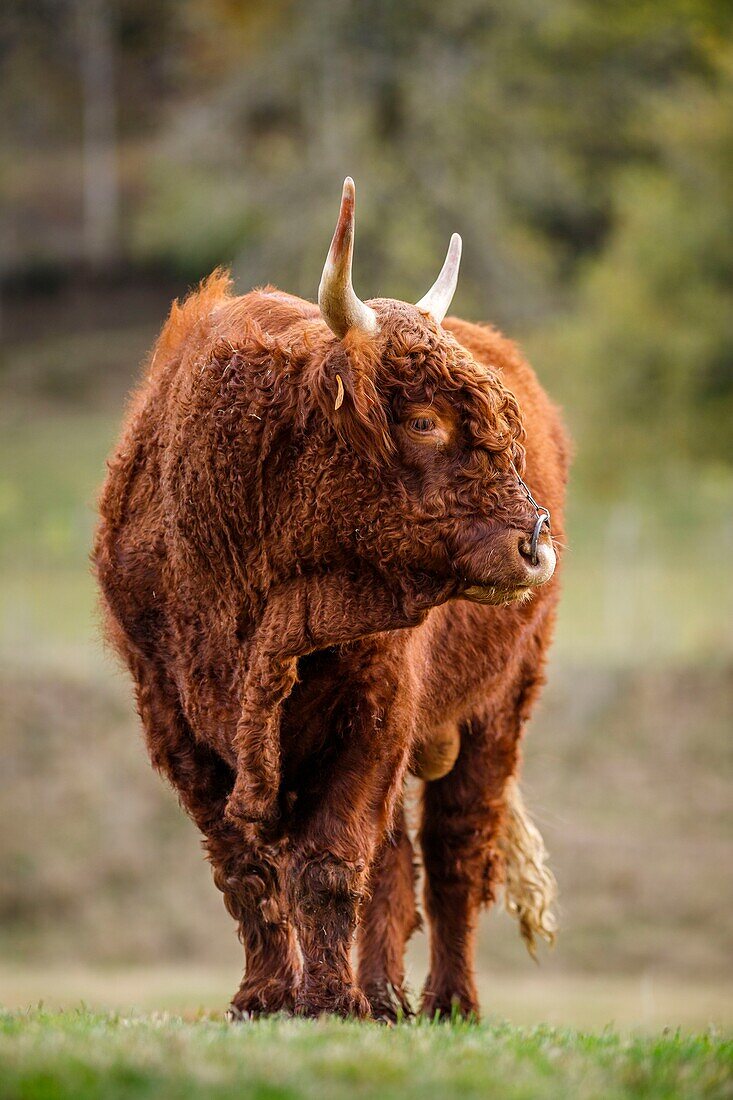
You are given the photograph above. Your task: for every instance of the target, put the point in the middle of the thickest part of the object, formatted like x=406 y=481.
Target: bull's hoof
x=445 y=1004
x=350 y=1003
x=388 y=1003
x=260 y=999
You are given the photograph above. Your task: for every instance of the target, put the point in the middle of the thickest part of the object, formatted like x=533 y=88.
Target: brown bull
x=321 y=566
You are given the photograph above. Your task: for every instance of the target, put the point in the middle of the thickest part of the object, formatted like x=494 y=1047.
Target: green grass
x=81 y=1055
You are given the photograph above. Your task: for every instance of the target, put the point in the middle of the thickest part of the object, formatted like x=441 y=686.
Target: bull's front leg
x=302 y=616
x=341 y=817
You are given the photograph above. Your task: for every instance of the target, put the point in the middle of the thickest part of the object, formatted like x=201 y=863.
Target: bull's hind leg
x=390 y=917
x=471 y=818
x=247 y=875
x=460 y=829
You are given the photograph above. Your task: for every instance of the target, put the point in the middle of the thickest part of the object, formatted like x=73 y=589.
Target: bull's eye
x=422 y=424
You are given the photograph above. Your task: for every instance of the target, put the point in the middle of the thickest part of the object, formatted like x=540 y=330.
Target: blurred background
x=584 y=150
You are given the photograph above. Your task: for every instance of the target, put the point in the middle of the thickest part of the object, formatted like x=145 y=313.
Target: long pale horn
x=438 y=299
x=340 y=307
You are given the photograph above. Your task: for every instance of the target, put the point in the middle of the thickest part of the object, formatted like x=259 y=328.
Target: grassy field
x=525 y=997
x=81 y=1054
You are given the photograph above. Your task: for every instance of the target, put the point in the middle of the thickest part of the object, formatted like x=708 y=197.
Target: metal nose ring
x=543 y=517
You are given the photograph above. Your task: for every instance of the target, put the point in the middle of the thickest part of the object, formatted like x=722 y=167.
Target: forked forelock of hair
x=361 y=421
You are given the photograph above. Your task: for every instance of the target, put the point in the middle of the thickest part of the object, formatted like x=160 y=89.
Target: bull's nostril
x=525 y=549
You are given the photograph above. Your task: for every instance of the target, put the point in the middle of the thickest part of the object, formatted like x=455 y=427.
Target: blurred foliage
x=583 y=148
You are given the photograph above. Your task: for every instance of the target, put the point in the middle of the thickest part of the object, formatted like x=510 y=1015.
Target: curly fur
x=282 y=577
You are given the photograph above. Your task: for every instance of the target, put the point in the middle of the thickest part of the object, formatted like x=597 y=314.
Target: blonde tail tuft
x=530 y=888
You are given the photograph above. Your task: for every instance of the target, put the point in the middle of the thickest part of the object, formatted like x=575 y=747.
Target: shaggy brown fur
x=283 y=579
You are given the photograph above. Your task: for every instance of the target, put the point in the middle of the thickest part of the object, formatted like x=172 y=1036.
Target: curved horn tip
x=348 y=199
x=438 y=299
x=456 y=245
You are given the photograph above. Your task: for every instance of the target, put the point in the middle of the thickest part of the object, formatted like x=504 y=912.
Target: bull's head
x=428 y=484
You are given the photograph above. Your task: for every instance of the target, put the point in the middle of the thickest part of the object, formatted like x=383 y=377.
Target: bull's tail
x=530 y=888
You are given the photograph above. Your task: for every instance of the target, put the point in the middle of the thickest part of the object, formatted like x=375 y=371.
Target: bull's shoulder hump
x=273 y=310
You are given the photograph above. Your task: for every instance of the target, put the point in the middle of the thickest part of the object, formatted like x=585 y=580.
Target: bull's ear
x=341 y=387
x=346 y=392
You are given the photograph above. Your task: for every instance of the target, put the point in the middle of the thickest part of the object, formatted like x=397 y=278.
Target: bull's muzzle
x=508 y=566
x=537 y=557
